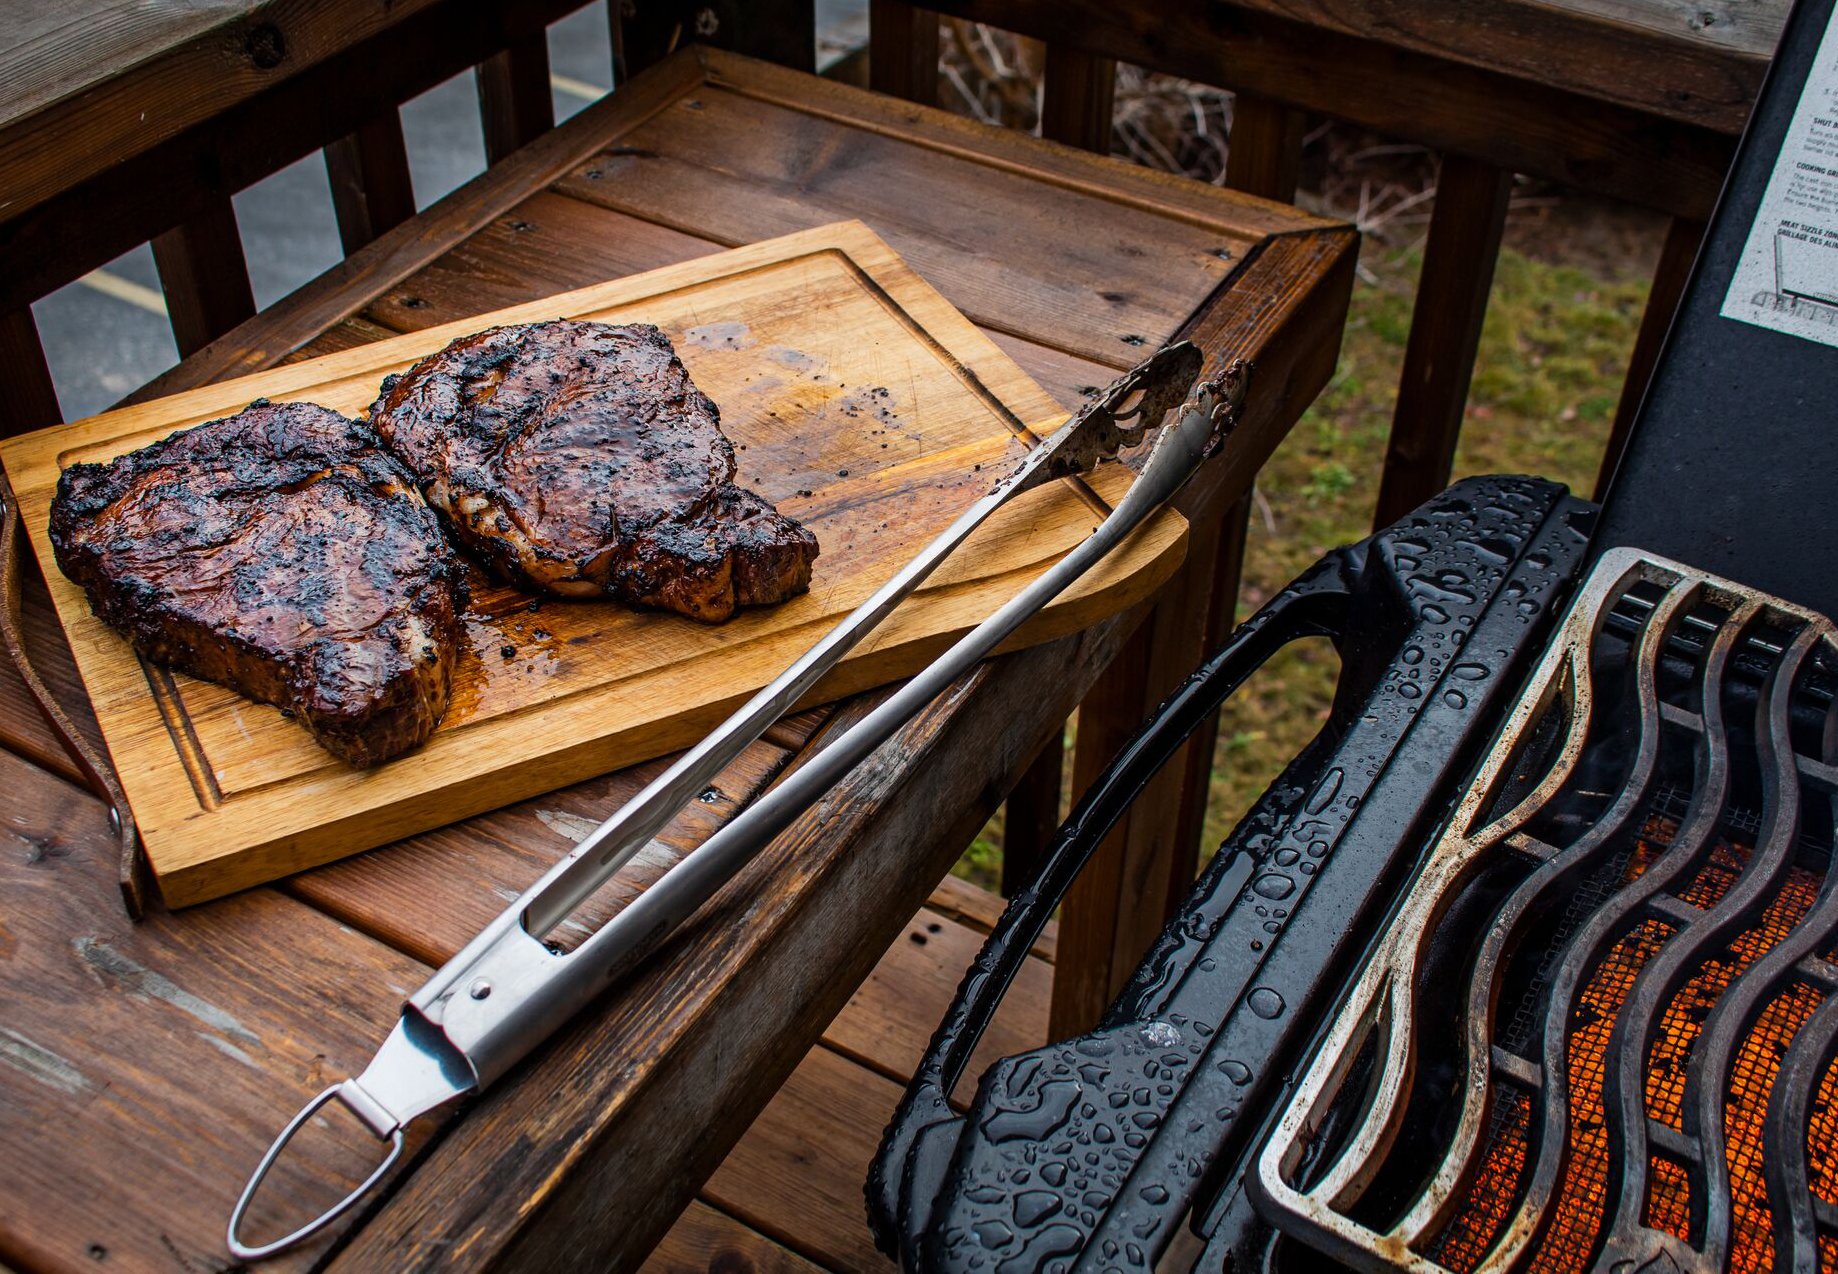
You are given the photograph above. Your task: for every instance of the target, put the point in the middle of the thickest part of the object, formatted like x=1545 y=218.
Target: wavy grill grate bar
x=1600 y=1031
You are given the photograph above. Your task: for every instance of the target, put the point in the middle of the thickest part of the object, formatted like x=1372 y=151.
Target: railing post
x=1263 y=154
x=1445 y=332
x=1197 y=761
x=1120 y=902
x=205 y=276
x=1675 y=260
x=1078 y=92
x=514 y=102
x=1031 y=816
x=30 y=400
x=371 y=187
x=1263 y=158
x=1115 y=909
x=903 y=51
x=1077 y=98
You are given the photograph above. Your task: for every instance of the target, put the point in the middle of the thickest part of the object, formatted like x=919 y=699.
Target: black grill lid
x=1733 y=462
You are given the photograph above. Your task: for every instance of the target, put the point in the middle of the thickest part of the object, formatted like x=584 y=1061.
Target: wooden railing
x=155 y=152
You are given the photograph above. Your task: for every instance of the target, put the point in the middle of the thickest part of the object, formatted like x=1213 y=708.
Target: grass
x=1553 y=353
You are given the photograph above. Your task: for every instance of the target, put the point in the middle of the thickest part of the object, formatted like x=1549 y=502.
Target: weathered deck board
x=797 y=1174
x=708 y=1239
x=890 y=1018
x=144 y=1067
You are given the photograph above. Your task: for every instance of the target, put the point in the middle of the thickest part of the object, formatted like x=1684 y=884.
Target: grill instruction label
x=1787 y=279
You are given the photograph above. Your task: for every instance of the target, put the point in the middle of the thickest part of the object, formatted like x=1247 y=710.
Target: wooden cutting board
x=860 y=402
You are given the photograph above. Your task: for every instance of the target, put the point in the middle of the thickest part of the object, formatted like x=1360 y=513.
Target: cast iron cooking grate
x=1600 y=1030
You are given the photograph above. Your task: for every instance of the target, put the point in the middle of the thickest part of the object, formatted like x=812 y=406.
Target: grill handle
x=902 y=1175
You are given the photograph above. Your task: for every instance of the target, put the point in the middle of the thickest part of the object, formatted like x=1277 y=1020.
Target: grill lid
x=1730 y=462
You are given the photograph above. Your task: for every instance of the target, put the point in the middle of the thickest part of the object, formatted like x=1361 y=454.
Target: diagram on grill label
x=1787 y=279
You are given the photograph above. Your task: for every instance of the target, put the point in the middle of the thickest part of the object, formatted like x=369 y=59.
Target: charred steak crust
x=282 y=552
x=579 y=459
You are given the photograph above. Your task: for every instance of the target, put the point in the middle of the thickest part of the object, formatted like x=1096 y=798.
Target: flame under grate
x=1645 y=1069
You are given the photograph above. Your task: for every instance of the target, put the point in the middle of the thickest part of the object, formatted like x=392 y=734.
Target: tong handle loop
x=260 y=1252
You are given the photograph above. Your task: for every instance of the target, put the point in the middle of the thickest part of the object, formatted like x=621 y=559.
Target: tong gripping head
x=1121 y=416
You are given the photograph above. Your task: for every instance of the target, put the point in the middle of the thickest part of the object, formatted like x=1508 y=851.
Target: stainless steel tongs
x=506 y=990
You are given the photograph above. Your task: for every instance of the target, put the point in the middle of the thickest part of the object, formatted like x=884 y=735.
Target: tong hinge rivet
x=480 y=989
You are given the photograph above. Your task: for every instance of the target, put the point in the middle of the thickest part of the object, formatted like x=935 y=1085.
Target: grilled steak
x=282 y=552
x=579 y=459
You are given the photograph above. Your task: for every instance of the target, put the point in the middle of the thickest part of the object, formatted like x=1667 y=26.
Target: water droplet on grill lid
x=1325 y=791
x=1265 y=1003
x=1054 y=1105
x=1273 y=885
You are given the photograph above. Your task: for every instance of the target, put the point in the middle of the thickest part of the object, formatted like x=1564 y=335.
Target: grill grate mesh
x=1461 y=1246
x=1669 y=1200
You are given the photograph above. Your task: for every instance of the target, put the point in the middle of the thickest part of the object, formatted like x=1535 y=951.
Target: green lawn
x=1553 y=353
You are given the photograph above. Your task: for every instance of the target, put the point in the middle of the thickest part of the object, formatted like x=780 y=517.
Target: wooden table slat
x=1100 y=178
x=548 y=243
x=428 y=895
x=144 y=1067
x=1115 y=278
x=707 y=1239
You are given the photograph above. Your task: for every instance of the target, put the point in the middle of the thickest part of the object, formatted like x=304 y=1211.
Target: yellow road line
x=576 y=88
x=121 y=289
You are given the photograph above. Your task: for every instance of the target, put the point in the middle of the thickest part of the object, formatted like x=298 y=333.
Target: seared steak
x=282 y=552
x=579 y=459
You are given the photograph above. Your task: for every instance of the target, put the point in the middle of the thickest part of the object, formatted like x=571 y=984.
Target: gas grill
x=1529 y=961
x=1599 y=1027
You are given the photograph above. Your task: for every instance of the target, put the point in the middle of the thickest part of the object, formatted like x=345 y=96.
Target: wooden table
x=143 y=1067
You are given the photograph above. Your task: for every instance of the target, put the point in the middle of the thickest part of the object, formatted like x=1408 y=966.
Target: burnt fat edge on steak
x=281 y=552
x=580 y=459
